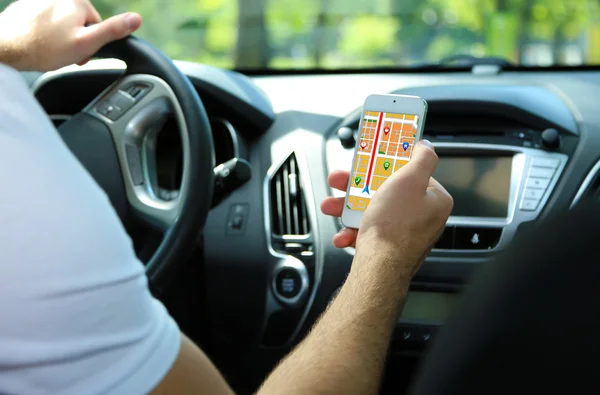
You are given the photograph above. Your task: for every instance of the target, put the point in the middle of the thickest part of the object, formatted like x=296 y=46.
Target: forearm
x=9 y=56
x=11 y=45
x=346 y=350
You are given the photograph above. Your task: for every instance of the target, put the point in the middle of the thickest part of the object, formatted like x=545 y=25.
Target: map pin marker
x=386 y=165
x=405 y=146
x=386 y=130
x=357 y=180
x=363 y=145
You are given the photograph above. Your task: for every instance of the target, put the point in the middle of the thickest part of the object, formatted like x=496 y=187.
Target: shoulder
x=80 y=317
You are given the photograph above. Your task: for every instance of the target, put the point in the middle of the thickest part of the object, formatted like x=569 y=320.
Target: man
x=76 y=316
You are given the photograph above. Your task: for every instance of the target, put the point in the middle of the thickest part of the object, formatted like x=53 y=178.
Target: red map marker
x=386 y=130
x=363 y=145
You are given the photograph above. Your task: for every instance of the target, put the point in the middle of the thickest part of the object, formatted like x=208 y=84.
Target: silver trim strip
x=586 y=184
x=311 y=211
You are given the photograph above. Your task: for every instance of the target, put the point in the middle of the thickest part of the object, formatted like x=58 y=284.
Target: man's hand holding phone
x=404 y=218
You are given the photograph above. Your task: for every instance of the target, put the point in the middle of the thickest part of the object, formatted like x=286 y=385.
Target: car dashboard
x=514 y=147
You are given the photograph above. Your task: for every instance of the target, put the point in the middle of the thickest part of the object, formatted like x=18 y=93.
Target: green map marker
x=357 y=180
x=386 y=165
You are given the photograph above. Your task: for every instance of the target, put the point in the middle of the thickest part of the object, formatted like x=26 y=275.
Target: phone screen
x=385 y=145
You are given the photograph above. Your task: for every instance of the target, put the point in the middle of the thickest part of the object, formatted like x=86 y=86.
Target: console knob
x=346 y=136
x=551 y=138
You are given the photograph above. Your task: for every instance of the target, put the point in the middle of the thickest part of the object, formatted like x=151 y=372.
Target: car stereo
x=495 y=189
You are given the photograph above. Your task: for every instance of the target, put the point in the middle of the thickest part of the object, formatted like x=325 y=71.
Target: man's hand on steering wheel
x=58 y=33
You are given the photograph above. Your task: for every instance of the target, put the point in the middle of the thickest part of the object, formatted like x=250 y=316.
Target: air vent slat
x=279 y=205
x=305 y=229
x=293 y=180
x=286 y=199
x=289 y=212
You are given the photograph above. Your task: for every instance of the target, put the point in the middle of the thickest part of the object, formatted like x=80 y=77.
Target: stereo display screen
x=480 y=185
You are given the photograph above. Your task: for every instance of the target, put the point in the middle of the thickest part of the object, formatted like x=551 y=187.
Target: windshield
x=355 y=34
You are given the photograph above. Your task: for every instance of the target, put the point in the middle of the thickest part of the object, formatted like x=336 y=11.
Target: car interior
x=220 y=191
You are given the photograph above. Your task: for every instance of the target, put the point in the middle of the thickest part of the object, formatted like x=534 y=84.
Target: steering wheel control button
x=539 y=183
x=122 y=101
x=545 y=162
x=137 y=90
x=116 y=105
x=476 y=238
x=106 y=109
x=238 y=216
x=135 y=164
x=288 y=283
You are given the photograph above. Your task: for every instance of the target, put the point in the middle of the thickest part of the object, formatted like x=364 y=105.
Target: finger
x=423 y=162
x=332 y=206
x=442 y=196
x=92 y=14
x=433 y=183
x=96 y=36
x=84 y=62
x=338 y=179
x=345 y=238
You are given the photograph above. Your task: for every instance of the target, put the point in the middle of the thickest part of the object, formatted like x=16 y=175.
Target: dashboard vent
x=288 y=207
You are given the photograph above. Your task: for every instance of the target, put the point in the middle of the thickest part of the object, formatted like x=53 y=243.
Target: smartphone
x=390 y=126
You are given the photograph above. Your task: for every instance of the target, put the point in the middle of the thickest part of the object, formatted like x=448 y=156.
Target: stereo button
x=541 y=172
x=530 y=204
x=545 y=162
x=540 y=183
x=532 y=193
x=476 y=238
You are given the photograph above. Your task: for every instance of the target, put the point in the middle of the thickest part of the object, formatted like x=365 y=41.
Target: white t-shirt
x=76 y=315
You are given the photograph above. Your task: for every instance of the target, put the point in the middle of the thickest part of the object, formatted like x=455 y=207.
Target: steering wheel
x=115 y=138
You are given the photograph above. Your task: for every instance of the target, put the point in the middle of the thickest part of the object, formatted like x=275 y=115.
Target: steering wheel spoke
x=135 y=108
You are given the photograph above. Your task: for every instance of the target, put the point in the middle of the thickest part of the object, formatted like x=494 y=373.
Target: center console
x=495 y=188
x=500 y=162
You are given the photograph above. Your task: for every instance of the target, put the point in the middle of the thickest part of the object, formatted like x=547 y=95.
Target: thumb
x=423 y=162
x=96 y=36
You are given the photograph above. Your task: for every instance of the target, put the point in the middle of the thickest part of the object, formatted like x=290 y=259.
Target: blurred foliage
x=356 y=33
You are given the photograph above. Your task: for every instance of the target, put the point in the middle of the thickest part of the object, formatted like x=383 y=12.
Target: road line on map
x=375 y=147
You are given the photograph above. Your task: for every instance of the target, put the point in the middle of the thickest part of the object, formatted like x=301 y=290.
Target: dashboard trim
x=589 y=178
x=310 y=209
x=232 y=134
